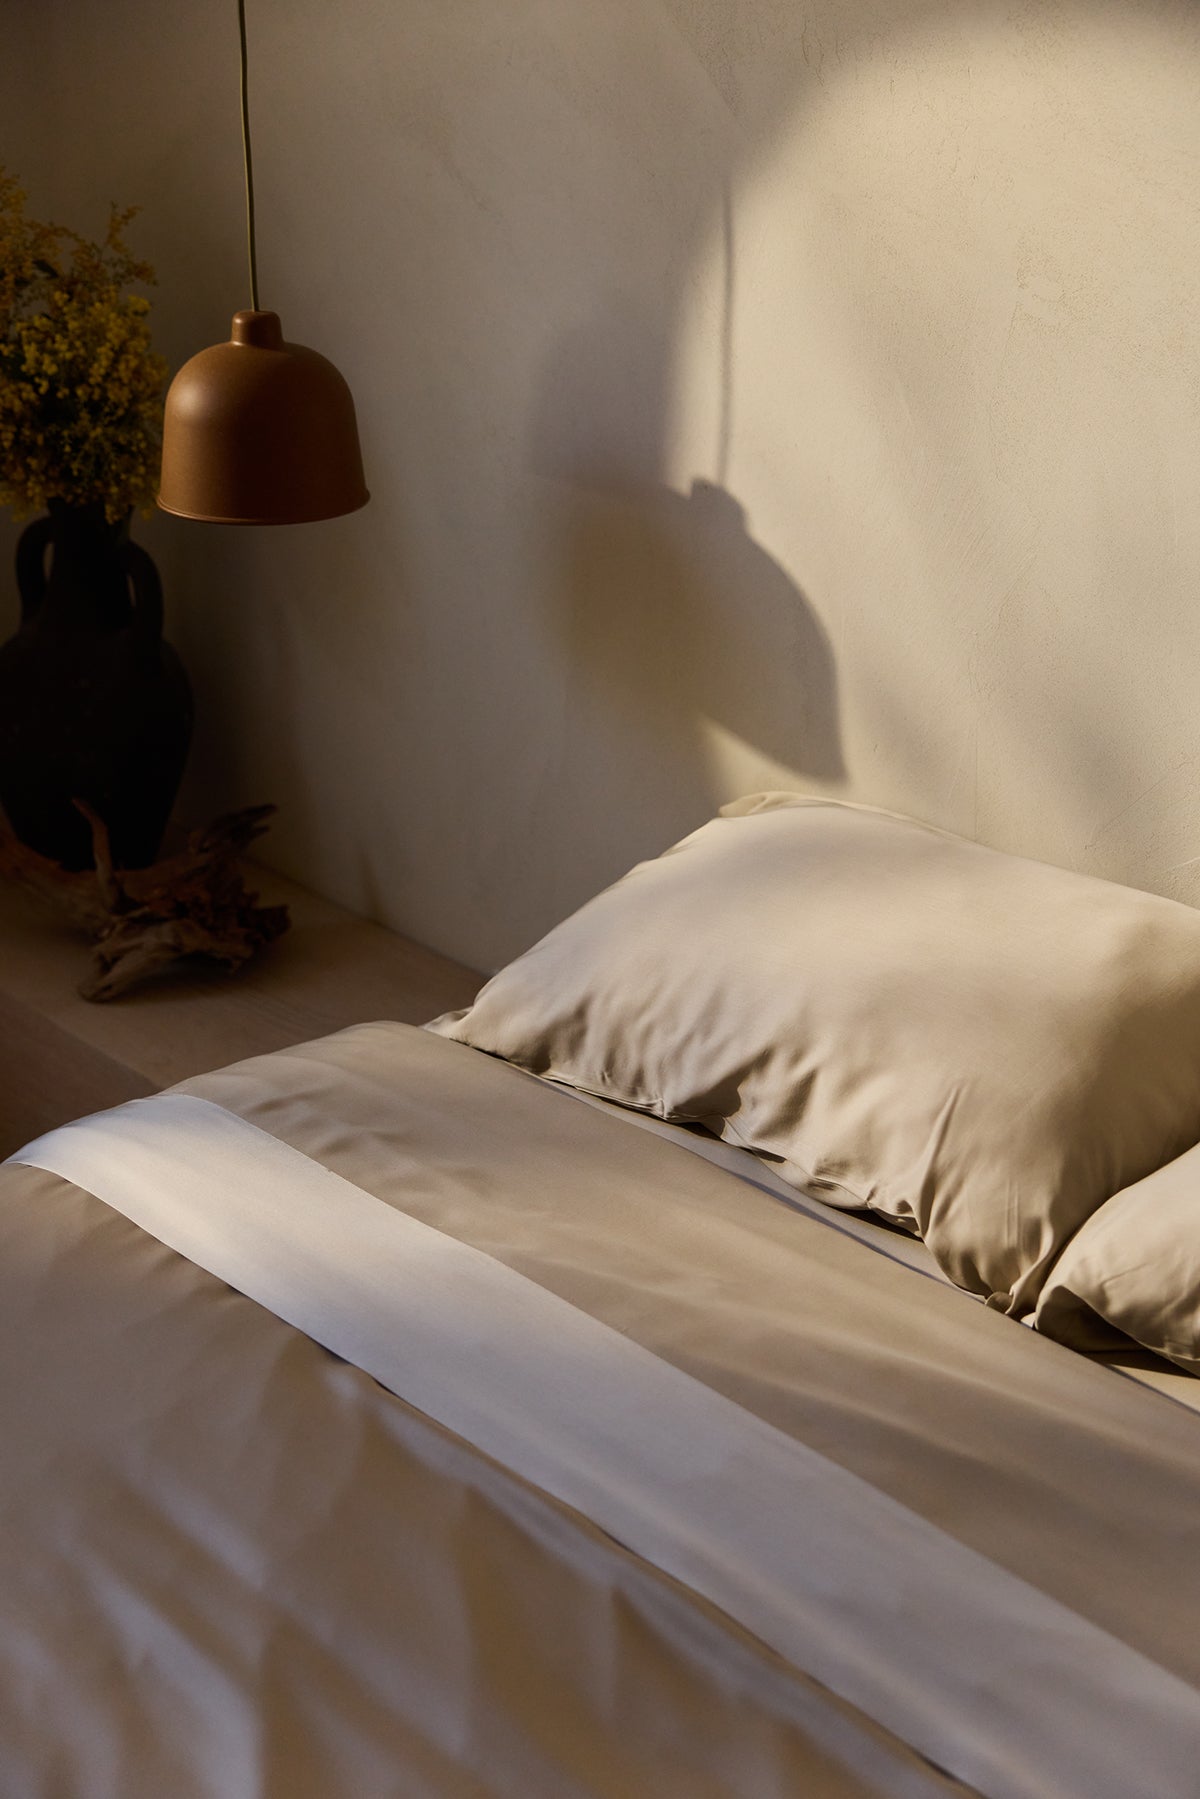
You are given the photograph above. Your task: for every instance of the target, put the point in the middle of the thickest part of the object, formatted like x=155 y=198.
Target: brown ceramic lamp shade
x=260 y=432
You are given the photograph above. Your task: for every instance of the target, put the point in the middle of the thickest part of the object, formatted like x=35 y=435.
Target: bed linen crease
x=805 y=1327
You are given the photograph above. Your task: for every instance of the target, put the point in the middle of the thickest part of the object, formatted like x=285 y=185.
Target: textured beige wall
x=754 y=392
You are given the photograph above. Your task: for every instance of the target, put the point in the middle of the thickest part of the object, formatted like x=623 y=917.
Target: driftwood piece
x=140 y=920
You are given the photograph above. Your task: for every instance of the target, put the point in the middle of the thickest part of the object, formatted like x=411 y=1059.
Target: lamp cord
x=246 y=157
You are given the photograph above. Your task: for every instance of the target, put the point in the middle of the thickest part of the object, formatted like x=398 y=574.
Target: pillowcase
x=979 y=1047
x=1134 y=1267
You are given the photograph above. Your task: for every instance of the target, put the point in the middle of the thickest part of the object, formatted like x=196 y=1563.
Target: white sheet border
x=988 y=1677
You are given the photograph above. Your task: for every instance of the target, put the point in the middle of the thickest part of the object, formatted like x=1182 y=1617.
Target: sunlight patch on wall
x=941 y=346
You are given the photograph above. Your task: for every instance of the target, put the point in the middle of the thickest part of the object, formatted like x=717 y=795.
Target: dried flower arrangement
x=80 y=386
x=95 y=710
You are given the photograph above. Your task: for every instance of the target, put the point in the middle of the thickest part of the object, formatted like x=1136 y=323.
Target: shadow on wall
x=906 y=309
x=676 y=616
x=691 y=651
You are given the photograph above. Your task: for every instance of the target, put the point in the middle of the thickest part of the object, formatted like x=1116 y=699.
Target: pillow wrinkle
x=981 y=1046
x=1133 y=1268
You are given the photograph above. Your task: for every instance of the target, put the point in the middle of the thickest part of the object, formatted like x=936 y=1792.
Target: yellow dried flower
x=81 y=388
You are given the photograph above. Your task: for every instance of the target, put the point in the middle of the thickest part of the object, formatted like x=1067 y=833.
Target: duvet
x=378 y=1419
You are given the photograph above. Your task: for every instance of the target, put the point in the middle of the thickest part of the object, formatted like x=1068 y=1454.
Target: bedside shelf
x=61 y=1056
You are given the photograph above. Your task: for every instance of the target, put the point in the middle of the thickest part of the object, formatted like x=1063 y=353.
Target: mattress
x=232 y=1561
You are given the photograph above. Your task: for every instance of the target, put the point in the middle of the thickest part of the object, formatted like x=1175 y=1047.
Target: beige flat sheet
x=1127 y=1360
x=230 y=1564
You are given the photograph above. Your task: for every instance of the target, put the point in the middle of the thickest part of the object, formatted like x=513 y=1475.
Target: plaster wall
x=753 y=393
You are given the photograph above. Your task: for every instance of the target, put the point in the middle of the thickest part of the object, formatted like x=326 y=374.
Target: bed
x=522 y=1406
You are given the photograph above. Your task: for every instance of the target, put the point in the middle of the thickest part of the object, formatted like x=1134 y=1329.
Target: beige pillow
x=980 y=1047
x=1134 y=1266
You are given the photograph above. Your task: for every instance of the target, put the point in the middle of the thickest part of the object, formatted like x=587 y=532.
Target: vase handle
x=146 y=589
x=31 y=565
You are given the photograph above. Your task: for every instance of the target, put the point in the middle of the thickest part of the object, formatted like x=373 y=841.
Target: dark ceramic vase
x=93 y=704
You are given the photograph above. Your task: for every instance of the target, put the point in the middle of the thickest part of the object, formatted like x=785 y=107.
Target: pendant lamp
x=259 y=431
